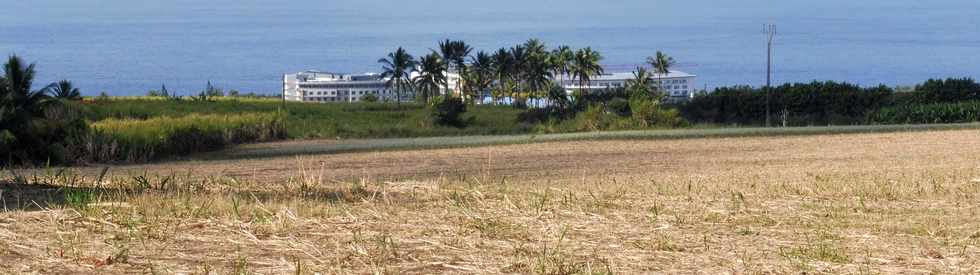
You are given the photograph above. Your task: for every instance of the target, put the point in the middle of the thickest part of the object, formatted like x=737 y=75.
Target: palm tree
x=538 y=75
x=503 y=68
x=454 y=53
x=585 y=65
x=17 y=102
x=538 y=68
x=19 y=107
x=535 y=47
x=661 y=66
x=561 y=58
x=396 y=68
x=64 y=90
x=640 y=84
x=432 y=75
x=518 y=70
x=482 y=70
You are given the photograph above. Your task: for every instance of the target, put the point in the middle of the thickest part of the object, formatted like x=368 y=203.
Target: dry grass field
x=881 y=203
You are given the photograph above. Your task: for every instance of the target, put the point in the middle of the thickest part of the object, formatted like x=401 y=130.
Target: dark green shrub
x=928 y=113
x=448 y=111
x=815 y=103
x=948 y=90
x=619 y=106
x=370 y=98
x=593 y=118
x=648 y=113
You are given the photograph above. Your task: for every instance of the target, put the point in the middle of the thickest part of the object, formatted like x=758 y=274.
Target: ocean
x=128 y=47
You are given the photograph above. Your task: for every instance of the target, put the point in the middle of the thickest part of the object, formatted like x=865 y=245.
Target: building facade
x=676 y=85
x=325 y=87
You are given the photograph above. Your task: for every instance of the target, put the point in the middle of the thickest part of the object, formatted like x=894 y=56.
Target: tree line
x=522 y=72
x=835 y=103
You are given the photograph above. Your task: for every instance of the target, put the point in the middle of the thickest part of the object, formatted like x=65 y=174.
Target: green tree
x=396 y=67
x=18 y=104
x=33 y=128
x=448 y=111
x=947 y=90
x=517 y=73
x=432 y=75
x=639 y=85
x=503 y=67
x=481 y=74
x=538 y=69
x=586 y=65
x=561 y=59
x=538 y=75
x=661 y=67
x=64 y=90
x=454 y=54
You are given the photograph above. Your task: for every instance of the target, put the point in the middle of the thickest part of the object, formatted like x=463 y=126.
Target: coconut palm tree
x=661 y=66
x=19 y=108
x=639 y=85
x=482 y=71
x=518 y=70
x=585 y=65
x=432 y=75
x=454 y=54
x=503 y=68
x=535 y=47
x=561 y=58
x=64 y=90
x=538 y=75
x=396 y=67
x=17 y=102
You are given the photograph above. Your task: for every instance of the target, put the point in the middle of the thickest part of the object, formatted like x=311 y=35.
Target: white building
x=315 y=86
x=676 y=85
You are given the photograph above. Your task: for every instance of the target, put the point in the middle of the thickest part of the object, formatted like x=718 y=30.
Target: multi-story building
x=676 y=85
x=314 y=86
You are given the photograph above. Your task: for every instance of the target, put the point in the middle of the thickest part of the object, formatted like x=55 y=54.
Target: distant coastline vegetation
x=55 y=125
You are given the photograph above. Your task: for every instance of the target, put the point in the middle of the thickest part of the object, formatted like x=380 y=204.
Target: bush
x=809 y=104
x=448 y=111
x=649 y=113
x=928 y=113
x=370 y=98
x=593 y=119
x=620 y=106
x=948 y=90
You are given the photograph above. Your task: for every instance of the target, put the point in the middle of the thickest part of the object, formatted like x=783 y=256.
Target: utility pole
x=770 y=31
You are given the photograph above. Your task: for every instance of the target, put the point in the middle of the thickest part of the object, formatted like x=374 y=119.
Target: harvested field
x=859 y=203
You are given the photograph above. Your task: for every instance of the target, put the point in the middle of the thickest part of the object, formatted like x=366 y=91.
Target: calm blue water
x=126 y=47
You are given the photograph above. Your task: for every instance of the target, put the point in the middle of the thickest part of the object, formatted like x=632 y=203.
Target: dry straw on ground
x=862 y=203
